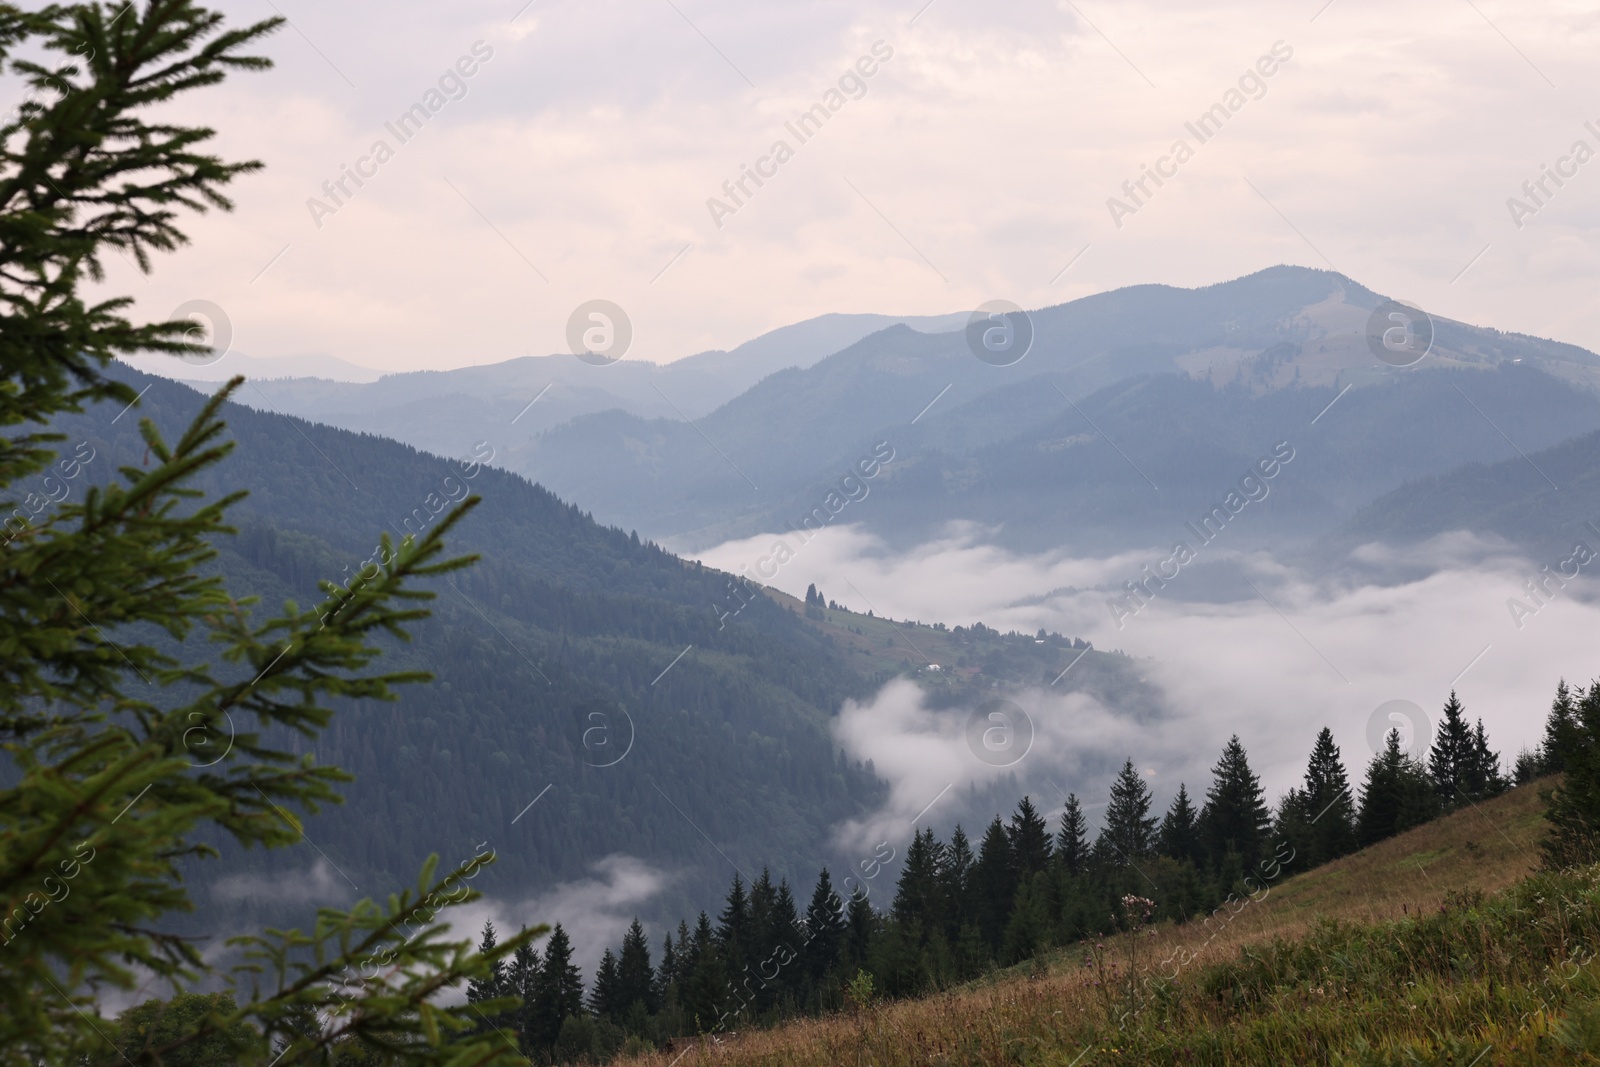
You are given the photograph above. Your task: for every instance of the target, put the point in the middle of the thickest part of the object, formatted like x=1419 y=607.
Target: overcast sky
x=976 y=163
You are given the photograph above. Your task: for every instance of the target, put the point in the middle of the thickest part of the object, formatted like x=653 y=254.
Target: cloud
x=1304 y=649
x=587 y=148
x=1061 y=742
x=595 y=911
x=319 y=884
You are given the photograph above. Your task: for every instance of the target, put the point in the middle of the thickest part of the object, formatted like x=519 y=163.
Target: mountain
x=595 y=695
x=1041 y=465
x=328 y=368
x=1149 y=386
x=444 y=411
x=1543 y=502
x=1134 y=412
x=1147 y=461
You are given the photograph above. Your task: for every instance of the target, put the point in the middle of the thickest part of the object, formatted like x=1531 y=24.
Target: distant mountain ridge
x=442 y=411
x=1544 y=503
x=1131 y=409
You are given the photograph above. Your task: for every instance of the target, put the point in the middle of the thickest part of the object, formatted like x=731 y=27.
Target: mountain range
x=1134 y=412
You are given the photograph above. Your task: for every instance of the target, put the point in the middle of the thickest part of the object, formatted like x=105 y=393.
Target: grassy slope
x=1399 y=894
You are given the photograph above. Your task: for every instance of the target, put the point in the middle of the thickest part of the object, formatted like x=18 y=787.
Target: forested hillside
x=552 y=656
x=1544 y=502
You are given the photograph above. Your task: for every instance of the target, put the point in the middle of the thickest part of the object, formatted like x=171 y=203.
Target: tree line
x=960 y=908
x=957 y=911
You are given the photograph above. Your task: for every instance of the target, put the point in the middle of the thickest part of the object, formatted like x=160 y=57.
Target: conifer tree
x=636 y=979
x=1483 y=777
x=956 y=884
x=1574 y=809
x=918 y=900
x=861 y=922
x=1235 y=818
x=605 y=994
x=762 y=939
x=733 y=925
x=557 y=991
x=1329 y=808
x=1030 y=840
x=1560 y=731
x=784 y=942
x=1129 y=832
x=706 y=989
x=1451 y=759
x=996 y=880
x=520 y=978
x=1397 y=795
x=686 y=953
x=1178 y=836
x=1291 y=826
x=1028 y=926
x=825 y=931
x=492 y=984
x=98 y=160
x=1072 y=842
x=669 y=976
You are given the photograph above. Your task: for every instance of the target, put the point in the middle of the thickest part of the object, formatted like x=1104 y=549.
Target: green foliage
x=157 y=1024
x=1561 y=732
x=1318 y=818
x=861 y=990
x=1179 y=834
x=1574 y=811
x=105 y=805
x=1129 y=832
x=1072 y=840
x=1235 y=818
x=1030 y=839
x=1397 y=794
x=1463 y=768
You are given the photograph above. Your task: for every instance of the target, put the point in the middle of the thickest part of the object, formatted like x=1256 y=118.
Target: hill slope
x=1544 y=502
x=595 y=695
x=575 y=665
x=1067 y=1010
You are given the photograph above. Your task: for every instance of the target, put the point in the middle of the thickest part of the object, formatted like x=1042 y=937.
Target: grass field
x=1436 y=947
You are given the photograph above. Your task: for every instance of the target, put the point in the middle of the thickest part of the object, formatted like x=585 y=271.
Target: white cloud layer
x=1273 y=668
x=319 y=884
x=595 y=911
x=977 y=164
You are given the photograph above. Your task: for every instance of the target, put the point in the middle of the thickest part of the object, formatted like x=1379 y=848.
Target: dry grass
x=1032 y=1012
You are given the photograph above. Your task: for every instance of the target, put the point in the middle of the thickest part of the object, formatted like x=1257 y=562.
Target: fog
x=1304 y=648
x=594 y=911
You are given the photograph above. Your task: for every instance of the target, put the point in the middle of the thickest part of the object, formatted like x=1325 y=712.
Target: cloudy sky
x=974 y=163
